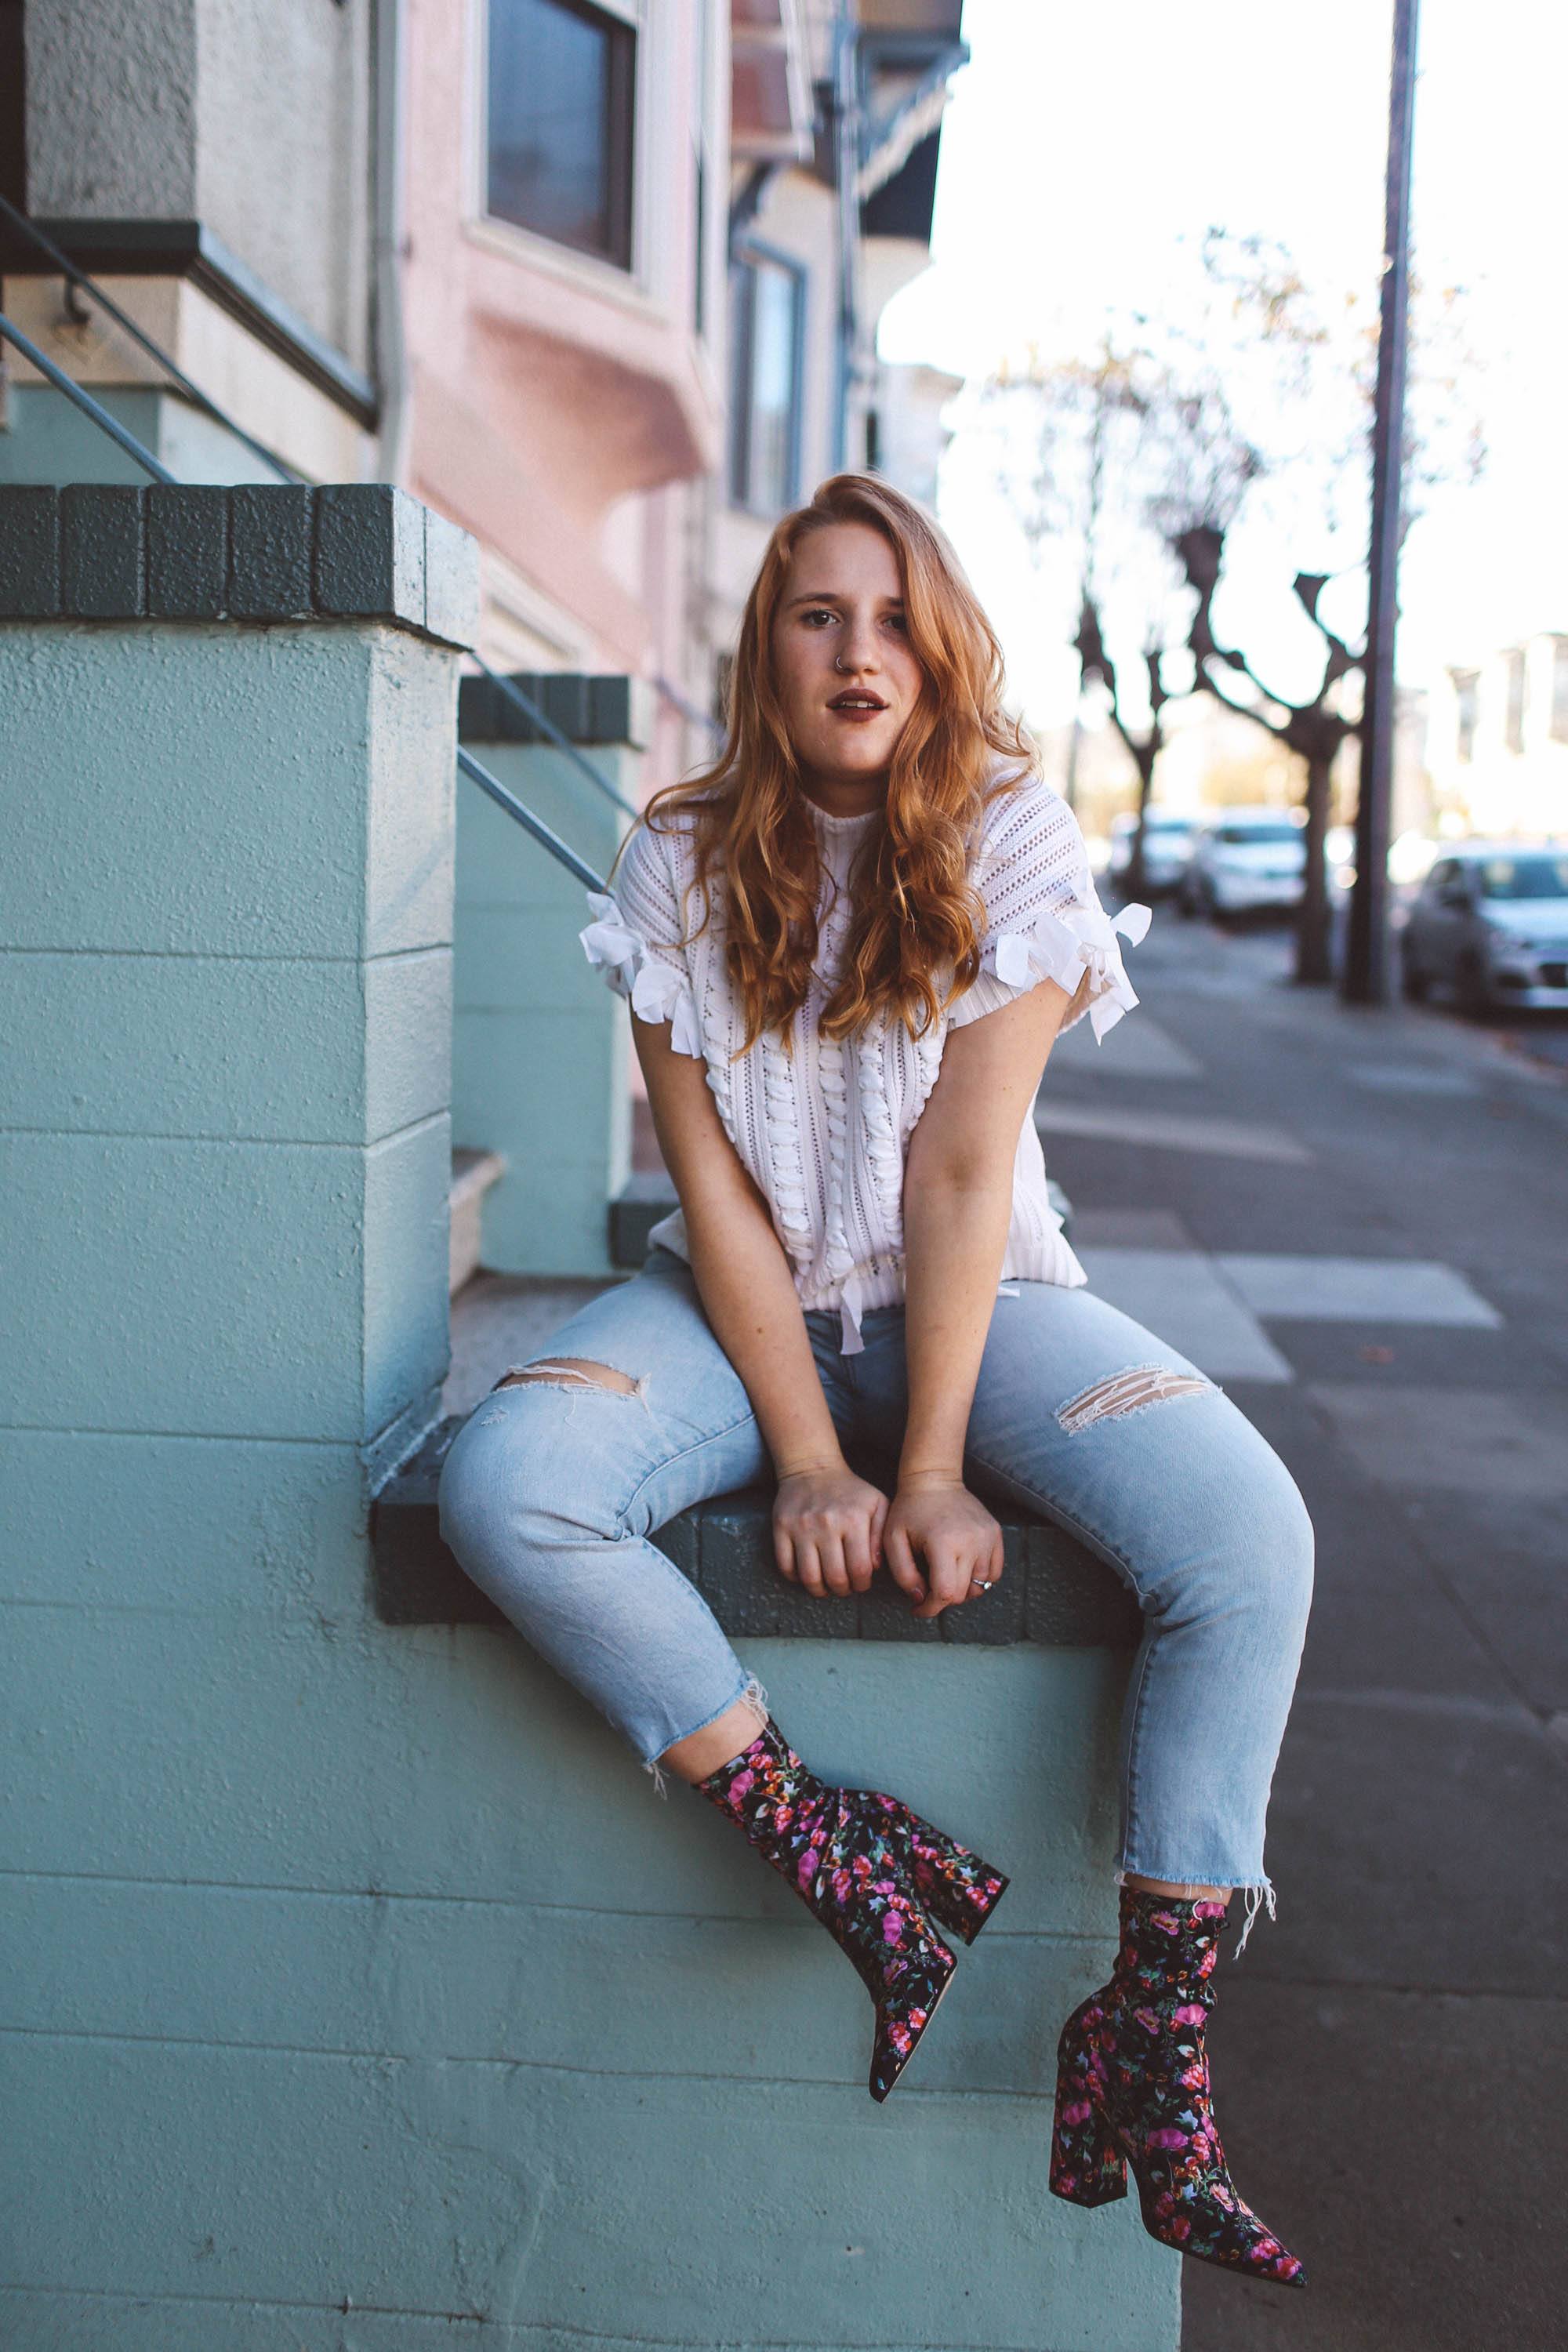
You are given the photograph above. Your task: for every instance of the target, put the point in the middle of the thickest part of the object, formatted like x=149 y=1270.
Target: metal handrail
x=688 y=709
x=516 y=809
x=139 y=335
x=530 y=822
x=11 y=334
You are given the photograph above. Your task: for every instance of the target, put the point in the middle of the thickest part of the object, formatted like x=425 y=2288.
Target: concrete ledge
x=186 y=249
x=358 y=551
x=1055 y=1592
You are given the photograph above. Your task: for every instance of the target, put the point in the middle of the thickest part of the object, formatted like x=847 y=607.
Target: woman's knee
x=1272 y=1545
x=1232 y=1541
x=510 y=1492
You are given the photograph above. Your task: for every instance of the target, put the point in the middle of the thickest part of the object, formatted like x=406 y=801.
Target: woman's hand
x=827 y=1529
x=942 y=1523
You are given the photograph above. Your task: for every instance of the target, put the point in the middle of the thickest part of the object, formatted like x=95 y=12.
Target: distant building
x=1500 y=741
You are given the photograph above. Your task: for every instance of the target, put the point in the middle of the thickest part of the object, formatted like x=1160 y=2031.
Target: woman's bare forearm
x=955 y=1235
x=748 y=1294
x=743 y=1278
x=958 y=1205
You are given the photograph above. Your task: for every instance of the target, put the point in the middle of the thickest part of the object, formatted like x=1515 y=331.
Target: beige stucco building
x=1500 y=741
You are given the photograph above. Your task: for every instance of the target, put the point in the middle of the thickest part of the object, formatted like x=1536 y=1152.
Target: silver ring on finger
x=981 y=1583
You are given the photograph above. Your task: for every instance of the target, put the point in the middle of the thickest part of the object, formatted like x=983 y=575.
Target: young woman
x=849 y=946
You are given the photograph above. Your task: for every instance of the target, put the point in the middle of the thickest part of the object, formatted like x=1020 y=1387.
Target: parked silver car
x=1490 y=923
x=1245 y=860
x=1167 y=847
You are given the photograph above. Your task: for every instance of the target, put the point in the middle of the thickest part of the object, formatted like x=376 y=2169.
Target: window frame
x=744 y=260
x=628 y=162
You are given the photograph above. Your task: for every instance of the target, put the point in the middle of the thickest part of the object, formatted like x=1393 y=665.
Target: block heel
x=1133 y=2093
x=957 y=1888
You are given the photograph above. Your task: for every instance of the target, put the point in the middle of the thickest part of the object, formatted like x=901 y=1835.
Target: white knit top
x=825 y=1131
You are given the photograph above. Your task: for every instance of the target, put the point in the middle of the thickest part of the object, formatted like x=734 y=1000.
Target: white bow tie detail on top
x=1064 y=946
x=656 y=991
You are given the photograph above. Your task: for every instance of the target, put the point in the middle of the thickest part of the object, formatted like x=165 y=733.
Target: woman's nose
x=858 y=649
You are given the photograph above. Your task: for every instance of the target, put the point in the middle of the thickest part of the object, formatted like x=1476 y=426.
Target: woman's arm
x=827 y=1523
x=958 y=1200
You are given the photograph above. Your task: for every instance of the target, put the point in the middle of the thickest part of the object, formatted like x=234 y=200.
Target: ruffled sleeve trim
x=656 y=991
x=1061 y=946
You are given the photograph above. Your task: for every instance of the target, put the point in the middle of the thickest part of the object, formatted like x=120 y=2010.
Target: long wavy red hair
x=913 y=943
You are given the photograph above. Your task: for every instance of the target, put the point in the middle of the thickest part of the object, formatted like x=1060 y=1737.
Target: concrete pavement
x=1364 y=1217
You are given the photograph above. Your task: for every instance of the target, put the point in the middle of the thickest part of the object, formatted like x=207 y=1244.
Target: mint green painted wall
x=226 y=908
x=355 y=1981
x=47 y=439
x=541 y=1047
x=463 y=2017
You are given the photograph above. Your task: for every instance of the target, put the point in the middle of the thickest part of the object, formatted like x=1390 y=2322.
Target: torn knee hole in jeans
x=1131 y=1392
x=574 y=1374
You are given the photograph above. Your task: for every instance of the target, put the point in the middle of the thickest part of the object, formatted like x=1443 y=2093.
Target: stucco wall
x=283 y=170
x=252 y=116
x=111 y=105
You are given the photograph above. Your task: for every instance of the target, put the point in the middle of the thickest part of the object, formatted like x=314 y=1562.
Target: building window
x=1514 y=707
x=767 y=336
x=1558 y=725
x=562 y=74
x=1467 y=711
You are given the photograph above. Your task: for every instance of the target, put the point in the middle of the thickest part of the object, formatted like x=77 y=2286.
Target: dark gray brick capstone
x=356 y=550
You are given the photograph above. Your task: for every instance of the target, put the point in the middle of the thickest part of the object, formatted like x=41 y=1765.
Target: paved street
x=1358 y=1221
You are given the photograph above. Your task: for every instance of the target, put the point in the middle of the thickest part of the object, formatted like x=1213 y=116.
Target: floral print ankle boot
x=857 y=1863
x=1132 y=2088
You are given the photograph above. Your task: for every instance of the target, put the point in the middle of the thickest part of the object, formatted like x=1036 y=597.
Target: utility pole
x=1365 y=979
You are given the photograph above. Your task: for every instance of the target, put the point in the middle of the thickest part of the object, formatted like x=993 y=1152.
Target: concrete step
x=473 y=1173
x=647 y=1196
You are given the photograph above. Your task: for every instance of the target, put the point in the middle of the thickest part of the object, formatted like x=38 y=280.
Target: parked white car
x=1245 y=860
x=1490 y=922
x=1167 y=847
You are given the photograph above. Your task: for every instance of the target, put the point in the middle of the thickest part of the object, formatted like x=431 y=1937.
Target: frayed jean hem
x=749 y=1689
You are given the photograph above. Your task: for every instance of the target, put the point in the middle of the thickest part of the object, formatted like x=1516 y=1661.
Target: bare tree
x=1314 y=729
x=1112 y=457
x=1314 y=372
x=1250 y=393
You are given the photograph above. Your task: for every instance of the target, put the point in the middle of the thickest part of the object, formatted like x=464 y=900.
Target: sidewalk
x=1390 y=2056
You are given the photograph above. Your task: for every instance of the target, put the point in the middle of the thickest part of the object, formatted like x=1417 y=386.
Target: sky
x=1086 y=150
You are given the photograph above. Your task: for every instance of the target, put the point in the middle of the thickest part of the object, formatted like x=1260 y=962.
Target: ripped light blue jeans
x=551 y=1489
